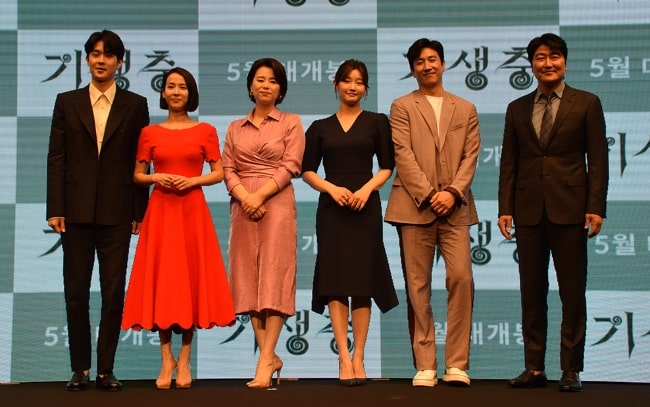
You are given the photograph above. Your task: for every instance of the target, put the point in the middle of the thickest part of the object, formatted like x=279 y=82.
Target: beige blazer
x=428 y=161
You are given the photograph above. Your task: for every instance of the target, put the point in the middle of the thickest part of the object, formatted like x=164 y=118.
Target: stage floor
x=326 y=393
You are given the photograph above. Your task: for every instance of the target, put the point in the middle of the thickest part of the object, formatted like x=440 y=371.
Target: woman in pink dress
x=262 y=153
x=178 y=282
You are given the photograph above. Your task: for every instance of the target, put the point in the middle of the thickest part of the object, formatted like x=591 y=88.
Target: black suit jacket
x=569 y=177
x=82 y=186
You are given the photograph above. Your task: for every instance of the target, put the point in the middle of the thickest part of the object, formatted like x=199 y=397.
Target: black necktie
x=547 y=119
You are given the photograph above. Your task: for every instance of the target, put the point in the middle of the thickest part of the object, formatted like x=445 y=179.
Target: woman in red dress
x=178 y=282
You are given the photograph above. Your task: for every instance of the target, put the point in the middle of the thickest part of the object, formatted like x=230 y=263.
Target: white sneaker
x=456 y=377
x=425 y=378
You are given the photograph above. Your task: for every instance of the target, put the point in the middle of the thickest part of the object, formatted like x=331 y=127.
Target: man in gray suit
x=437 y=142
x=553 y=185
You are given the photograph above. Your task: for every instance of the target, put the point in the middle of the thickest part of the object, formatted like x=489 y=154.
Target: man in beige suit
x=437 y=142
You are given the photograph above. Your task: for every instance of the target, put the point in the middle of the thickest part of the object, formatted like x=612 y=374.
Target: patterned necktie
x=547 y=119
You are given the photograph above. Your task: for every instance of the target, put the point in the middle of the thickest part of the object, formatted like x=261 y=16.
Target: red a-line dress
x=178 y=280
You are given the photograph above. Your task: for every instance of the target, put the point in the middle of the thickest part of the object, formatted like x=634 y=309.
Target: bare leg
x=271 y=323
x=360 y=326
x=168 y=364
x=339 y=314
x=184 y=374
x=257 y=322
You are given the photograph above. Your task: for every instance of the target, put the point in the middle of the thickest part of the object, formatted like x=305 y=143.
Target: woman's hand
x=252 y=203
x=258 y=214
x=173 y=181
x=359 y=199
x=340 y=195
x=182 y=183
x=162 y=179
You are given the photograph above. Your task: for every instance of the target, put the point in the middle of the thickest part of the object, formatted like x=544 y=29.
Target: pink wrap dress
x=262 y=254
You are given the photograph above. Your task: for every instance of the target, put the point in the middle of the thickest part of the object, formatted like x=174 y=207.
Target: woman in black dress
x=351 y=261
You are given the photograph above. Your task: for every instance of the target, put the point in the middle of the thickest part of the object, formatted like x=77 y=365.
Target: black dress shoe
x=79 y=381
x=527 y=380
x=570 y=381
x=108 y=382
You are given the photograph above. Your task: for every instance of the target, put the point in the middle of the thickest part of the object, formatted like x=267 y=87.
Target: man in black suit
x=93 y=203
x=553 y=184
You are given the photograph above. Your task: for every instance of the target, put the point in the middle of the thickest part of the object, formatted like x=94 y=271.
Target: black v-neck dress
x=351 y=258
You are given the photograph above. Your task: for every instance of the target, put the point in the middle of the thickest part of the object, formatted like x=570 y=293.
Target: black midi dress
x=351 y=259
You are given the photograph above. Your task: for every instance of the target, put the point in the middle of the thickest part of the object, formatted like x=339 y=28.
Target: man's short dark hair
x=553 y=41
x=192 y=89
x=112 y=43
x=416 y=49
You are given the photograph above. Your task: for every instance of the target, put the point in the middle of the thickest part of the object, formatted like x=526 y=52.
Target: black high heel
x=346 y=382
x=361 y=381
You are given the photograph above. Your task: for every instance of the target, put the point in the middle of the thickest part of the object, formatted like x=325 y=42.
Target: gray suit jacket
x=427 y=161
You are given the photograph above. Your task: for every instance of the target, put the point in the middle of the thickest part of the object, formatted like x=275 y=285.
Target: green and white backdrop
x=41 y=43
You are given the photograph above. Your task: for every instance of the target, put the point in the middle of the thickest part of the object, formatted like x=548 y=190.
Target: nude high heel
x=275 y=366
x=164 y=380
x=184 y=383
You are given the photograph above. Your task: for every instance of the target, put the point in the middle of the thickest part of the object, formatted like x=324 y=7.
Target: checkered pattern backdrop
x=42 y=47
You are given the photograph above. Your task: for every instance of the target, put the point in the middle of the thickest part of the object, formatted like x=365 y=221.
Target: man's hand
x=57 y=224
x=505 y=226
x=135 y=227
x=593 y=223
x=442 y=203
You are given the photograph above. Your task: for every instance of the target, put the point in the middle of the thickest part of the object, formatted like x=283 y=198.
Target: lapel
x=528 y=104
x=85 y=112
x=117 y=113
x=446 y=113
x=568 y=98
x=429 y=116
